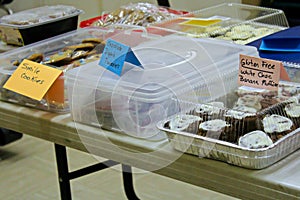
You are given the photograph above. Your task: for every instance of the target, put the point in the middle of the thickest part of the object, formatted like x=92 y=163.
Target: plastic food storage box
x=63 y=52
x=175 y=67
x=229 y=21
x=246 y=127
x=36 y=24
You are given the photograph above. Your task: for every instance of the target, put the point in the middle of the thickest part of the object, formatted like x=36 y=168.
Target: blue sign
x=115 y=54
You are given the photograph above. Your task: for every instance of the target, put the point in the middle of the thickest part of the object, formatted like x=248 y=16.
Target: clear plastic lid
x=172 y=64
x=40 y=15
x=229 y=21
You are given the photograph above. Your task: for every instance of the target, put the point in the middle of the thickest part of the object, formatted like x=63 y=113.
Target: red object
x=89 y=22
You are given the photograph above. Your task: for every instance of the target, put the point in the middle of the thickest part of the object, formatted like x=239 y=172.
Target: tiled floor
x=28 y=172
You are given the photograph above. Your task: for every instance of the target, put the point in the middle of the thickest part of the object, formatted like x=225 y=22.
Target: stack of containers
x=240 y=23
x=175 y=69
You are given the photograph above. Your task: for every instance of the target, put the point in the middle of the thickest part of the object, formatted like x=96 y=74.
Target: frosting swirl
x=276 y=123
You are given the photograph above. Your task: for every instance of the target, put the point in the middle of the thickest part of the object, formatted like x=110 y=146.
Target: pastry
x=249 y=100
x=187 y=123
x=209 y=111
x=292 y=111
x=240 y=122
x=276 y=126
x=216 y=128
x=255 y=140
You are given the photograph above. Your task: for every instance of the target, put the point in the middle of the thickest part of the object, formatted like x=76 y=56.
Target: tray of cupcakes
x=250 y=128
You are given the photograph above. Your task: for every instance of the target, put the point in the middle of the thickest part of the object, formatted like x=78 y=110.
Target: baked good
x=255 y=140
x=187 y=123
x=216 y=128
x=248 y=100
x=277 y=126
x=209 y=111
x=240 y=122
x=292 y=111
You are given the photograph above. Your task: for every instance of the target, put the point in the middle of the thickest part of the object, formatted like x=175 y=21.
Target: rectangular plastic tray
x=174 y=67
x=55 y=46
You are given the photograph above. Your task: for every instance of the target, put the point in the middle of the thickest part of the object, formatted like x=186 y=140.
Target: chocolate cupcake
x=209 y=111
x=216 y=128
x=252 y=101
x=292 y=111
x=277 y=126
x=255 y=140
x=186 y=123
x=241 y=122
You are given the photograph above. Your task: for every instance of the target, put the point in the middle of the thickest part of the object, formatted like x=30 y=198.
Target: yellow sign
x=32 y=79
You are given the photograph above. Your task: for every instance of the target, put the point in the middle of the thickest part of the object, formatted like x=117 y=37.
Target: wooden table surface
x=279 y=181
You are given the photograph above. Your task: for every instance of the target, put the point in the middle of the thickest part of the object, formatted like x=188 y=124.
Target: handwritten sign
x=259 y=72
x=115 y=54
x=32 y=79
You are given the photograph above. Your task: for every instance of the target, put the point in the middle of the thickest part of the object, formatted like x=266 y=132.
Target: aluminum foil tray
x=230 y=153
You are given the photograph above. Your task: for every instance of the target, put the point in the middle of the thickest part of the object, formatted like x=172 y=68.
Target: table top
x=279 y=181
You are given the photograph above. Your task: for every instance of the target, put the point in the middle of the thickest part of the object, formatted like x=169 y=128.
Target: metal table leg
x=64 y=176
x=63 y=172
x=128 y=183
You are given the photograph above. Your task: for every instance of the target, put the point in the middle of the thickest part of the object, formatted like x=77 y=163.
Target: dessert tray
x=230 y=153
x=235 y=135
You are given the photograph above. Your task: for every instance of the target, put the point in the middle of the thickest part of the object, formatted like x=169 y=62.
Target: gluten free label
x=259 y=72
x=32 y=79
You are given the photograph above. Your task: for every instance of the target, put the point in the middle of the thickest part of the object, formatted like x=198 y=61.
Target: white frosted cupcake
x=292 y=111
x=187 y=123
x=255 y=140
x=216 y=128
x=209 y=111
x=276 y=126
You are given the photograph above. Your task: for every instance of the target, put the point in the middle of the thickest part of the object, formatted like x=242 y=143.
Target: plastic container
x=223 y=129
x=178 y=68
x=240 y=23
x=36 y=24
x=58 y=52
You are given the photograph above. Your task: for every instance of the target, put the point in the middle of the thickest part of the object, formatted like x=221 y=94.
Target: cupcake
x=240 y=123
x=277 y=126
x=286 y=91
x=255 y=140
x=249 y=100
x=292 y=111
x=209 y=111
x=216 y=128
x=186 y=123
